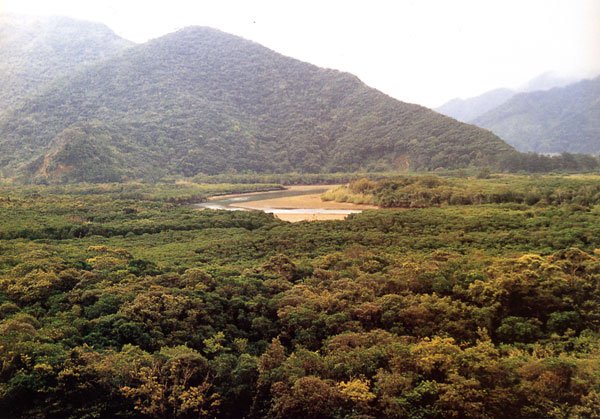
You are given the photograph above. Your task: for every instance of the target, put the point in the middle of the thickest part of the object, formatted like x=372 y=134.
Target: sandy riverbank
x=308 y=201
x=294 y=218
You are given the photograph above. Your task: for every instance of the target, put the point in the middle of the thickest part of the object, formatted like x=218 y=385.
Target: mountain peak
x=466 y=110
x=36 y=50
x=203 y=101
x=547 y=81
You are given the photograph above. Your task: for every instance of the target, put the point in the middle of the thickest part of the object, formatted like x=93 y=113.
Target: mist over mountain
x=202 y=101
x=565 y=119
x=37 y=50
x=547 y=81
x=467 y=110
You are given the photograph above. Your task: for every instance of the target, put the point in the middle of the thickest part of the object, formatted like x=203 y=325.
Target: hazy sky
x=421 y=51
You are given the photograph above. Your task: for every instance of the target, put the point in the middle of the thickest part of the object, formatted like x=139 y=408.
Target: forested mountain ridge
x=467 y=110
x=36 y=50
x=553 y=121
x=202 y=101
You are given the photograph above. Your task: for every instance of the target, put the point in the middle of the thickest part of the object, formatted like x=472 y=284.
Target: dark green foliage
x=566 y=162
x=518 y=329
x=203 y=102
x=83 y=153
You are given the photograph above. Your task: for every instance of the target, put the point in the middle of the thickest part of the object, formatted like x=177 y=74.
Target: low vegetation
x=121 y=301
x=428 y=191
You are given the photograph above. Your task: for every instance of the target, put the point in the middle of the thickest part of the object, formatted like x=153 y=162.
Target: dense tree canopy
x=117 y=301
x=200 y=101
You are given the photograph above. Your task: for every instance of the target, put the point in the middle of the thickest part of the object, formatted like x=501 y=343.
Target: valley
x=549 y=115
x=195 y=225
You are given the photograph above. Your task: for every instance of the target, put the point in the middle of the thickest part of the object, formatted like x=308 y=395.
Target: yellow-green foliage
x=162 y=310
x=427 y=190
x=344 y=194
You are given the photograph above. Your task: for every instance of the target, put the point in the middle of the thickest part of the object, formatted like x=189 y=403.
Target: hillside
x=559 y=120
x=202 y=101
x=36 y=51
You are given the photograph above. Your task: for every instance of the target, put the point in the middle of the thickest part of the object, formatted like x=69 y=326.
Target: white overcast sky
x=420 y=51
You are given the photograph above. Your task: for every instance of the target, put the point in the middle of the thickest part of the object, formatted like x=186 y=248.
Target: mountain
x=468 y=110
x=565 y=119
x=203 y=101
x=547 y=81
x=35 y=51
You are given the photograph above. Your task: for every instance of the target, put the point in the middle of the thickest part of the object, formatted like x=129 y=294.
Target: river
x=297 y=203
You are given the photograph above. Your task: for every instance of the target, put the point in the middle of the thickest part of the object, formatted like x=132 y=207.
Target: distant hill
x=547 y=81
x=565 y=119
x=35 y=51
x=202 y=101
x=467 y=110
